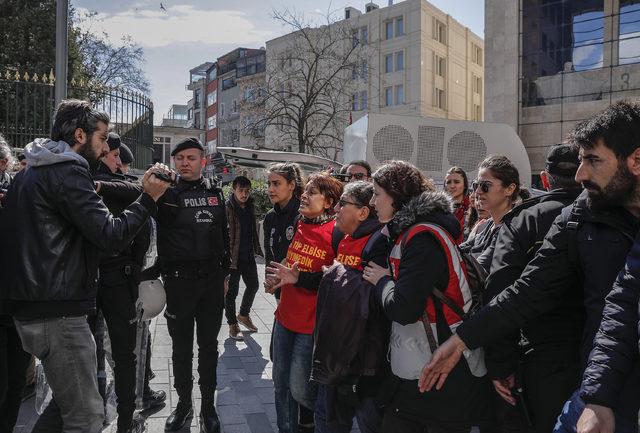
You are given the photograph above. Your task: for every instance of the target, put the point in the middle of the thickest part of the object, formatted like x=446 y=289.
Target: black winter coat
x=522 y=232
x=603 y=239
x=351 y=333
x=58 y=228
x=614 y=358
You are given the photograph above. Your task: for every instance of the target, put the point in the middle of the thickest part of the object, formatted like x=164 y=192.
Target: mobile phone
x=162 y=176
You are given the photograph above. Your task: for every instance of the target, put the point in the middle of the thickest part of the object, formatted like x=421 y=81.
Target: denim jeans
x=368 y=415
x=68 y=354
x=291 y=372
x=572 y=410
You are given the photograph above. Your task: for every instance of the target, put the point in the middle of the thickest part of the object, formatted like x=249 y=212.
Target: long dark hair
x=457 y=170
x=503 y=169
x=291 y=172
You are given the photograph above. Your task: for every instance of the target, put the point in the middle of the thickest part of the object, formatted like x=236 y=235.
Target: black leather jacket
x=57 y=228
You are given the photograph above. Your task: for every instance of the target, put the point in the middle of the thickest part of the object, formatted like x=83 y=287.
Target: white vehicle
x=433 y=145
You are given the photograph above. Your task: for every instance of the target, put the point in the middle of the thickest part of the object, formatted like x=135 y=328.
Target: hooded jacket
x=465 y=399
x=57 y=228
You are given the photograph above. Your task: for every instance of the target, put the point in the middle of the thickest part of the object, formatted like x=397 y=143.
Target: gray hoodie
x=44 y=151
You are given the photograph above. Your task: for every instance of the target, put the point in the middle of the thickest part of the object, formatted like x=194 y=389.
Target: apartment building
x=418 y=61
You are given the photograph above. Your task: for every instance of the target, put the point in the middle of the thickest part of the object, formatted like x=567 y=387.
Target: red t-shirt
x=350 y=251
x=311 y=248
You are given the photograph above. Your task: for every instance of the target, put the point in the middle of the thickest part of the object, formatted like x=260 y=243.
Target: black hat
x=187 y=143
x=125 y=154
x=21 y=156
x=562 y=160
x=113 y=141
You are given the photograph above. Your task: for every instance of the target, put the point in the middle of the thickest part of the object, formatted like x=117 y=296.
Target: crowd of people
x=403 y=305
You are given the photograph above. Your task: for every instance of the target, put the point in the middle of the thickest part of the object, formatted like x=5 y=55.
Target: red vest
x=350 y=251
x=311 y=248
x=457 y=288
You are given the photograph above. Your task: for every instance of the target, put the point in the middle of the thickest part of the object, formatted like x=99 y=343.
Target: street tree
x=309 y=84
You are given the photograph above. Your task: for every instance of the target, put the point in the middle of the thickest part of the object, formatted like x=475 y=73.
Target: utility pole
x=62 y=49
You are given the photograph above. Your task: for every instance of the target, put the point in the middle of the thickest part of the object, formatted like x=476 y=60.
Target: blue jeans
x=291 y=371
x=68 y=354
x=572 y=410
x=368 y=415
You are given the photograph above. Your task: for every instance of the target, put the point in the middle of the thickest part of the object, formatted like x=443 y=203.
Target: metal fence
x=27 y=107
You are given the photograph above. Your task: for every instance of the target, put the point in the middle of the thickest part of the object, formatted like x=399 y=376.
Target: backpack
x=475 y=274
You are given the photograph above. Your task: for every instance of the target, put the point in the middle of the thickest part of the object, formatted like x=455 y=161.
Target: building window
x=212 y=98
x=235 y=135
x=364 y=103
x=629 y=45
x=234 y=106
x=388 y=96
x=354 y=72
x=211 y=122
x=440 y=66
x=399 y=26
x=477 y=113
x=388 y=26
x=476 y=54
x=196 y=99
x=477 y=84
x=388 y=63
x=399 y=61
x=400 y=94
x=364 y=36
x=440 y=31
x=213 y=74
x=222 y=110
x=355 y=40
x=190 y=114
x=439 y=100
x=364 y=72
x=354 y=102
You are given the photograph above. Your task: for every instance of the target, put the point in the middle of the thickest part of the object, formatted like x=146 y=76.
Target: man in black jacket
x=58 y=228
x=547 y=362
x=118 y=291
x=589 y=241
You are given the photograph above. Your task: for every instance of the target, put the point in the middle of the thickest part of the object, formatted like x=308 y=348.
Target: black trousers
x=394 y=422
x=13 y=368
x=200 y=301
x=248 y=270
x=117 y=294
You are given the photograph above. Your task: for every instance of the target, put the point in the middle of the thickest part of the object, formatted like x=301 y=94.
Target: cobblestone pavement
x=244 y=397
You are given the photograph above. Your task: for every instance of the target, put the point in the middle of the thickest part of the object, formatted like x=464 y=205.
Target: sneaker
x=247 y=323
x=234 y=332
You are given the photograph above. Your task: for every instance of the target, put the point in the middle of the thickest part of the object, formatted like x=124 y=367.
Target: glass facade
x=574 y=51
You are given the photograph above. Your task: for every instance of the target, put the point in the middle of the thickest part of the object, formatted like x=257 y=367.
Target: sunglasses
x=342 y=202
x=484 y=185
x=357 y=176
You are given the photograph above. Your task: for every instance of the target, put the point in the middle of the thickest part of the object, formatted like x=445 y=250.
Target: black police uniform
x=118 y=291
x=193 y=254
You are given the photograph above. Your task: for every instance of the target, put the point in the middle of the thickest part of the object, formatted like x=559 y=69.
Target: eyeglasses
x=357 y=176
x=342 y=202
x=484 y=185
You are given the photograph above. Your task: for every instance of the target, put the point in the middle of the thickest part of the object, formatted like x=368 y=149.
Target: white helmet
x=151 y=298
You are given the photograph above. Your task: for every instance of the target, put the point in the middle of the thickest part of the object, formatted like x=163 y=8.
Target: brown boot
x=247 y=323
x=234 y=332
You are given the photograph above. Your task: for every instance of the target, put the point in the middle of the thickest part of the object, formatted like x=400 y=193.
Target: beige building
x=552 y=64
x=418 y=61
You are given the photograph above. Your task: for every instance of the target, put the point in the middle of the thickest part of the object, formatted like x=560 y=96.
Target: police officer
x=118 y=290
x=193 y=246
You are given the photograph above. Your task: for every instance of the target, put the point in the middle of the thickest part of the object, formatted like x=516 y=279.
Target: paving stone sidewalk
x=244 y=396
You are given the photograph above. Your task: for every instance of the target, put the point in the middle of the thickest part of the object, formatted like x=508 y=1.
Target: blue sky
x=192 y=32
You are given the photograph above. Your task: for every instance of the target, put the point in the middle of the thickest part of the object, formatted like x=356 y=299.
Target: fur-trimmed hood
x=434 y=207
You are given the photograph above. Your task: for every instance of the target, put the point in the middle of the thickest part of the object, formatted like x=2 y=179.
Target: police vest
x=192 y=223
x=350 y=251
x=409 y=345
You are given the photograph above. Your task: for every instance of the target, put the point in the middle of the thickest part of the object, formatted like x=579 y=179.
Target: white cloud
x=183 y=23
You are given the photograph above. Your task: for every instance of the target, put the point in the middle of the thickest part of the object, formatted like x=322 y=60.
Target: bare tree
x=109 y=64
x=309 y=83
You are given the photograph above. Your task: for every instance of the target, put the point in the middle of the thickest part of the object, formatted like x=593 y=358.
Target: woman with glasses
x=422 y=230
x=311 y=249
x=496 y=190
x=456 y=185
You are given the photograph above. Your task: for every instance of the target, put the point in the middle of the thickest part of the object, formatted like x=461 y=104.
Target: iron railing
x=27 y=107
